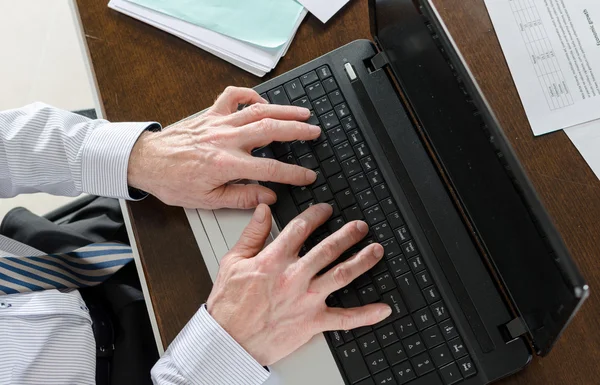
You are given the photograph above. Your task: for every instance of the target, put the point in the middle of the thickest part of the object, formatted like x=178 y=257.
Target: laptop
x=477 y=276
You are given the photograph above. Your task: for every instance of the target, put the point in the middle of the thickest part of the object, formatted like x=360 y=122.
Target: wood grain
x=145 y=74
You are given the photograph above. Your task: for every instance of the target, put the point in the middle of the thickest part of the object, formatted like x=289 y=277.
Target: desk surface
x=146 y=74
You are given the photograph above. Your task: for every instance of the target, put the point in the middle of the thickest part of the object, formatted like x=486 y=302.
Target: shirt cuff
x=105 y=159
x=205 y=353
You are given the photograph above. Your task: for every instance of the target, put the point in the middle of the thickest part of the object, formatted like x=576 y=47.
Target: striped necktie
x=84 y=267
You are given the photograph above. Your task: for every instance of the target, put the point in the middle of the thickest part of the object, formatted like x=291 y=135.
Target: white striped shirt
x=46 y=337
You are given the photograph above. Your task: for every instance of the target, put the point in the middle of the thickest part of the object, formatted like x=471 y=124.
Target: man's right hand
x=272 y=302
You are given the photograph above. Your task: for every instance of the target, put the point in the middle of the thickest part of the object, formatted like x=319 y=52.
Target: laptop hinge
x=514 y=329
x=379 y=61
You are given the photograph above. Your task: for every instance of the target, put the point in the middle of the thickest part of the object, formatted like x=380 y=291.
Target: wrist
x=139 y=166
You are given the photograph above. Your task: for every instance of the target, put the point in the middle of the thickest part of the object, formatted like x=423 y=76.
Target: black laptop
x=476 y=274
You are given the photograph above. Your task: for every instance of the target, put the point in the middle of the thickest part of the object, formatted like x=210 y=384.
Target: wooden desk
x=146 y=74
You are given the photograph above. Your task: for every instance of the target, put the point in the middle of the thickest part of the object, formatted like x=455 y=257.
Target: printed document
x=553 y=50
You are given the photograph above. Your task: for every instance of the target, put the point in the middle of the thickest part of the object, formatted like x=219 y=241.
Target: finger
x=348 y=319
x=266 y=131
x=255 y=234
x=343 y=274
x=258 y=112
x=300 y=228
x=239 y=196
x=227 y=103
x=333 y=246
x=271 y=170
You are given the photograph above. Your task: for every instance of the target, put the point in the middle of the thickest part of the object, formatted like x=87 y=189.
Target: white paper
x=553 y=50
x=586 y=138
x=323 y=9
x=251 y=58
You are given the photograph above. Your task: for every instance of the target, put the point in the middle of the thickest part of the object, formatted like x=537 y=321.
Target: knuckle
x=246 y=201
x=300 y=228
x=347 y=321
x=272 y=168
x=329 y=250
x=341 y=276
x=256 y=110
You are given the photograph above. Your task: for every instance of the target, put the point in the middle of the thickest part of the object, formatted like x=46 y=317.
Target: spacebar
x=428 y=379
x=285 y=208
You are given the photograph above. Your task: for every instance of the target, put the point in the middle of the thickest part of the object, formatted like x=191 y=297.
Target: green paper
x=266 y=23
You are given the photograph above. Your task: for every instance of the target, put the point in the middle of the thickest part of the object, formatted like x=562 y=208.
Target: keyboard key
x=368 y=164
x=329 y=120
x=375 y=178
x=351 y=167
x=424 y=279
x=353 y=213
x=331 y=166
x=264 y=152
x=336 y=209
x=381 y=192
x=385 y=378
x=448 y=329
x=395 y=220
x=466 y=367
x=310 y=77
x=411 y=291
x=349 y=123
x=338 y=182
x=313 y=119
x=323 y=194
x=345 y=199
x=359 y=183
x=441 y=355
x=304 y=206
x=323 y=151
x=336 y=97
x=352 y=362
x=347 y=335
x=264 y=96
x=294 y=89
x=320 y=178
x=428 y=379
x=384 y=282
x=374 y=215
x=361 y=150
x=315 y=91
x=379 y=268
x=322 y=105
x=355 y=137
x=303 y=102
x=393 y=299
x=431 y=294
x=366 y=199
x=439 y=311
x=278 y=96
x=395 y=353
x=349 y=298
x=336 y=136
x=368 y=295
x=409 y=248
x=342 y=110
x=363 y=280
x=285 y=209
x=361 y=331
x=324 y=72
x=329 y=85
x=309 y=161
x=301 y=194
x=335 y=224
x=281 y=148
x=388 y=206
x=398 y=266
x=386 y=335
x=382 y=231
x=405 y=327
x=336 y=338
x=416 y=263
x=433 y=337
x=300 y=148
x=450 y=374
x=424 y=319
x=413 y=345
x=368 y=344
x=376 y=362
x=391 y=248
x=344 y=151
x=422 y=364
x=404 y=372
x=403 y=235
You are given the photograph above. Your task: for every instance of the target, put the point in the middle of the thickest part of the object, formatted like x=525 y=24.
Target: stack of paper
x=253 y=35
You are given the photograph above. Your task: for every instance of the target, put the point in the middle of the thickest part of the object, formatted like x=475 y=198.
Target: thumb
x=240 y=196
x=348 y=319
x=255 y=234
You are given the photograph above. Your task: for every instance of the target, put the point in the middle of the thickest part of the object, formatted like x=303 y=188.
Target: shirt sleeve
x=205 y=354
x=45 y=149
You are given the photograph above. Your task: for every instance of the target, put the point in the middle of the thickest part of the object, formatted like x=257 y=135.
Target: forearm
x=44 y=149
x=204 y=354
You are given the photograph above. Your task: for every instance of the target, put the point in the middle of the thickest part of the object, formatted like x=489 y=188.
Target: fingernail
x=385 y=312
x=306 y=112
x=260 y=214
x=315 y=130
x=378 y=251
x=267 y=199
x=265 y=100
x=362 y=227
x=311 y=176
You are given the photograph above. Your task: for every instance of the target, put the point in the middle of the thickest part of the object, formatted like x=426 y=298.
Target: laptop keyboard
x=419 y=343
